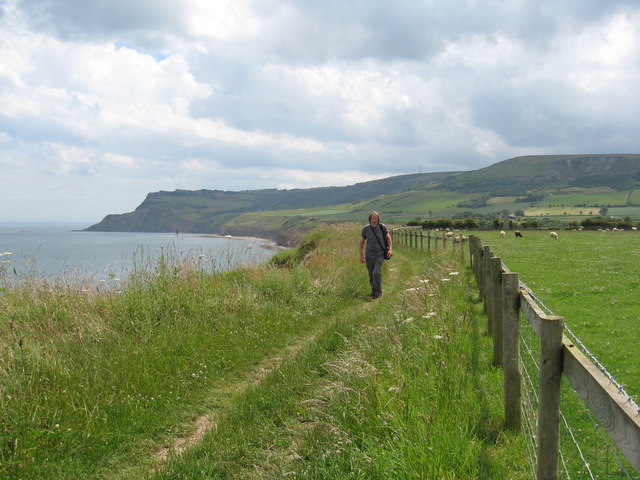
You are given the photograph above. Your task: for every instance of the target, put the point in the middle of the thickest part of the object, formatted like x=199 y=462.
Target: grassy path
x=290 y=423
x=224 y=397
x=274 y=372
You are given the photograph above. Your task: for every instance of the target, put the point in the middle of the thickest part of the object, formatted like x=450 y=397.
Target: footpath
x=399 y=387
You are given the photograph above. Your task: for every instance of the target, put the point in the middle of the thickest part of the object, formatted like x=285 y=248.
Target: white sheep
x=554 y=235
x=502 y=233
x=449 y=234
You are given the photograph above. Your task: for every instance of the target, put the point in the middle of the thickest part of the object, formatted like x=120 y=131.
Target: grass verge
x=297 y=372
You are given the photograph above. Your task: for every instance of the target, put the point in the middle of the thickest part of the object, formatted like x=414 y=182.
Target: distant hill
x=530 y=173
x=537 y=183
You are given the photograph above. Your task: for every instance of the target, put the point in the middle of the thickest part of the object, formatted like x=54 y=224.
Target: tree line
x=494 y=222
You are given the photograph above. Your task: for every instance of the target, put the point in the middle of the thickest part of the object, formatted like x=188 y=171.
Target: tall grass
x=413 y=394
x=297 y=372
x=401 y=388
x=90 y=380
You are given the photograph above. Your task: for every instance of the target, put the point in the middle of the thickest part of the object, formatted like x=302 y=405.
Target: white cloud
x=102 y=102
x=221 y=20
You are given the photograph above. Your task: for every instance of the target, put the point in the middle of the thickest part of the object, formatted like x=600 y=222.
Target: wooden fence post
x=487 y=285
x=473 y=254
x=477 y=252
x=511 y=351
x=479 y=263
x=549 y=395
x=495 y=273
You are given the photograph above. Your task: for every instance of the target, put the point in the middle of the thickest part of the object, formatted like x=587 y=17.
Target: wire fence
x=586 y=451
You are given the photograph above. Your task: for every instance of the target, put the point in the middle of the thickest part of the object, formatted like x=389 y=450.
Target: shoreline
x=264 y=242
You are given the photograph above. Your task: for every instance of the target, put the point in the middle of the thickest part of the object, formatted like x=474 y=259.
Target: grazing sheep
x=554 y=235
x=502 y=233
x=518 y=234
x=449 y=234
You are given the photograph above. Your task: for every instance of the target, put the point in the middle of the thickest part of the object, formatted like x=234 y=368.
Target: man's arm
x=361 y=246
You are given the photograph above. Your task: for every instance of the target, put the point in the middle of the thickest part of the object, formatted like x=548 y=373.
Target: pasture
x=591 y=279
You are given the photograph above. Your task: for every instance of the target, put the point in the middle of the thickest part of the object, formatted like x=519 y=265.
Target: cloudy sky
x=104 y=101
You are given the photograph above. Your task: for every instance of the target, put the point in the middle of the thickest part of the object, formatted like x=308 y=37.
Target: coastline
x=266 y=243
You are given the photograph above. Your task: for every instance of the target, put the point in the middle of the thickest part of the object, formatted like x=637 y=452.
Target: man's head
x=374 y=218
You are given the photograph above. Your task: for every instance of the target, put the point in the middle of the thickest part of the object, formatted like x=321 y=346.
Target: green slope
x=552 y=185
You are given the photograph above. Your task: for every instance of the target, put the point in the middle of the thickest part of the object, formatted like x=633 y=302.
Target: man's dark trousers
x=374 y=267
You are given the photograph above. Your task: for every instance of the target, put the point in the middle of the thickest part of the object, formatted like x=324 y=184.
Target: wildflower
x=454 y=273
x=424 y=281
x=409 y=320
x=438 y=337
x=429 y=315
x=446 y=279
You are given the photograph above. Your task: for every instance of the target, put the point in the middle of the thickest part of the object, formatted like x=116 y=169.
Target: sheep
x=518 y=234
x=502 y=233
x=449 y=234
x=553 y=235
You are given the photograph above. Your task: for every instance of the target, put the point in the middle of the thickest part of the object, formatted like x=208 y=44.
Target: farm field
x=591 y=279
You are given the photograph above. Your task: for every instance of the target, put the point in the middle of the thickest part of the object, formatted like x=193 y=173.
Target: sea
x=64 y=253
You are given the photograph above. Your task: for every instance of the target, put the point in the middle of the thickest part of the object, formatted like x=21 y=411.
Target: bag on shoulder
x=385 y=248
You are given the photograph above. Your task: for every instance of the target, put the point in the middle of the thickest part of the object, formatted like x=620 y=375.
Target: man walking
x=378 y=247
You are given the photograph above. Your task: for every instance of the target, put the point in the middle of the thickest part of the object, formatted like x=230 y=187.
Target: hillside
x=552 y=185
x=531 y=173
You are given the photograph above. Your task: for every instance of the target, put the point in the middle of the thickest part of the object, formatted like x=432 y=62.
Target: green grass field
x=591 y=279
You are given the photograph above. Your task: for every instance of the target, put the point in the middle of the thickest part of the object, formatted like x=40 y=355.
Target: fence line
x=415 y=237
x=505 y=300
x=558 y=357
